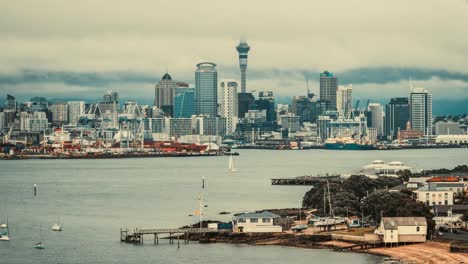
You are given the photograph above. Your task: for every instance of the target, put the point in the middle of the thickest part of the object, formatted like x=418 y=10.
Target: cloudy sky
x=60 y=48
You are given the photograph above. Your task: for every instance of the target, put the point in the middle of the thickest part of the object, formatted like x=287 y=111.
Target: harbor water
x=95 y=198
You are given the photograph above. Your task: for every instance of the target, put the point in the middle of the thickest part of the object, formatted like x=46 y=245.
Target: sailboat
x=39 y=245
x=5 y=234
x=231 y=165
x=57 y=226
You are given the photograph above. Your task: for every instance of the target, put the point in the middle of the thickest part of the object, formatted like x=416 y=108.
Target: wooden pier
x=305 y=180
x=136 y=236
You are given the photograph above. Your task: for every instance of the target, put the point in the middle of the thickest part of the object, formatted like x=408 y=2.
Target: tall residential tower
x=243 y=50
x=421 y=110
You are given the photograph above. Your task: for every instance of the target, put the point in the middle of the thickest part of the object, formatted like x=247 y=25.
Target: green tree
x=359 y=185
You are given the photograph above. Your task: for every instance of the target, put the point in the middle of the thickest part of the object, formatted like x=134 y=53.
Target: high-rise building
x=2 y=121
x=245 y=103
x=164 y=94
x=344 y=100
x=227 y=101
x=421 y=110
x=111 y=97
x=59 y=113
x=206 y=89
x=290 y=122
x=397 y=115
x=184 y=102
x=328 y=88
x=243 y=50
x=75 y=110
x=10 y=103
x=38 y=122
x=377 y=115
x=266 y=101
x=24 y=121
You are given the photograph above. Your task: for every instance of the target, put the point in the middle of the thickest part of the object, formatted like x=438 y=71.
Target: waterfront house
x=402 y=230
x=438 y=193
x=257 y=222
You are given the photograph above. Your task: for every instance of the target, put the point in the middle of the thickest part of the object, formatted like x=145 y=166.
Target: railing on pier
x=305 y=180
x=136 y=236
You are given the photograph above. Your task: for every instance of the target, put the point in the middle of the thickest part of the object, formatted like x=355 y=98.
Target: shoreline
x=428 y=252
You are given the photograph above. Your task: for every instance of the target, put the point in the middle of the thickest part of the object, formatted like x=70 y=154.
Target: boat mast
x=329 y=199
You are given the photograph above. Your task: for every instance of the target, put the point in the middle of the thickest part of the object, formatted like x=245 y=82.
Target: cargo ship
x=348 y=143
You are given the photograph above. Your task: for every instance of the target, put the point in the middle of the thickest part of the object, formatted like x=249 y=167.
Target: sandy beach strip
x=429 y=252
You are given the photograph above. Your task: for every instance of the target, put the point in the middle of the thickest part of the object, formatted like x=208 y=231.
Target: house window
x=446 y=202
x=266 y=220
x=391 y=231
x=253 y=220
x=241 y=220
x=417 y=229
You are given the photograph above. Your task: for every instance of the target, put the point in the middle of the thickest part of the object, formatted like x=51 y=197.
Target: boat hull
x=347 y=146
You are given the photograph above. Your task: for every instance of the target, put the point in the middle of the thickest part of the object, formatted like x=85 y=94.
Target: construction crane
x=356 y=107
x=367 y=104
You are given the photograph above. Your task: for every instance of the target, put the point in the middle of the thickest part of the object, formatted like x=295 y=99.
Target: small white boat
x=231 y=165
x=3 y=225
x=5 y=234
x=57 y=227
x=4 y=238
x=39 y=245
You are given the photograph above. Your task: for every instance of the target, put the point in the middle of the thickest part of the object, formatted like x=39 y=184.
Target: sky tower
x=243 y=49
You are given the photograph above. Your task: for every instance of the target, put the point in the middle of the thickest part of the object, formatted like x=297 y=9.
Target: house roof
x=264 y=214
x=446 y=208
x=394 y=222
x=444 y=179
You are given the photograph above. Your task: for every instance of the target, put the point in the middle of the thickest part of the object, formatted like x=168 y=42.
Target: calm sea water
x=95 y=198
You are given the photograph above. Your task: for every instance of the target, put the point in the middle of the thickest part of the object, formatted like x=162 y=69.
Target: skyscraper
x=328 y=88
x=10 y=103
x=184 y=102
x=266 y=101
x=246 y=103
x=344 y=99
x=59 y=113
x=164 y=94
x=397 y=114
x=227 y=100
x=206 y=89
x=243 y=50
x=421 y=110
x=377 y=115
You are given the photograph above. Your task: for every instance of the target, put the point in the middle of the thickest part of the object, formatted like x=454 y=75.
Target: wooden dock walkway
x=136 y=236
x=305 y=180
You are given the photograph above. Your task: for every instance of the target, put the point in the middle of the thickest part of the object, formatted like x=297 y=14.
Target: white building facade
x=227 y=102
x=377 y=112
x=421 y=110
x=402 y=229
x=262 y=222
x=344 y=99
x=75 y=110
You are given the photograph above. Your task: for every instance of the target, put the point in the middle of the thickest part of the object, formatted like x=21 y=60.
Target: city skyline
x=87 y=57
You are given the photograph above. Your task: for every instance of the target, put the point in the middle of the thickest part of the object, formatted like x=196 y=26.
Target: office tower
x=328 y=88
x=75 y=110
x=206 y=89
x=227 y=101
x=266 y=101
x=59 y=113
x=38 y=122
x=377 y=115
x=344 y=100
x=39 y=104
x=164 y=94
x=290 y=122
x=243 y=50
x=184 y=102
x=301 y=107
x=397 y=114
x=10 y=103
x=245 y=103
x=421 y=110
